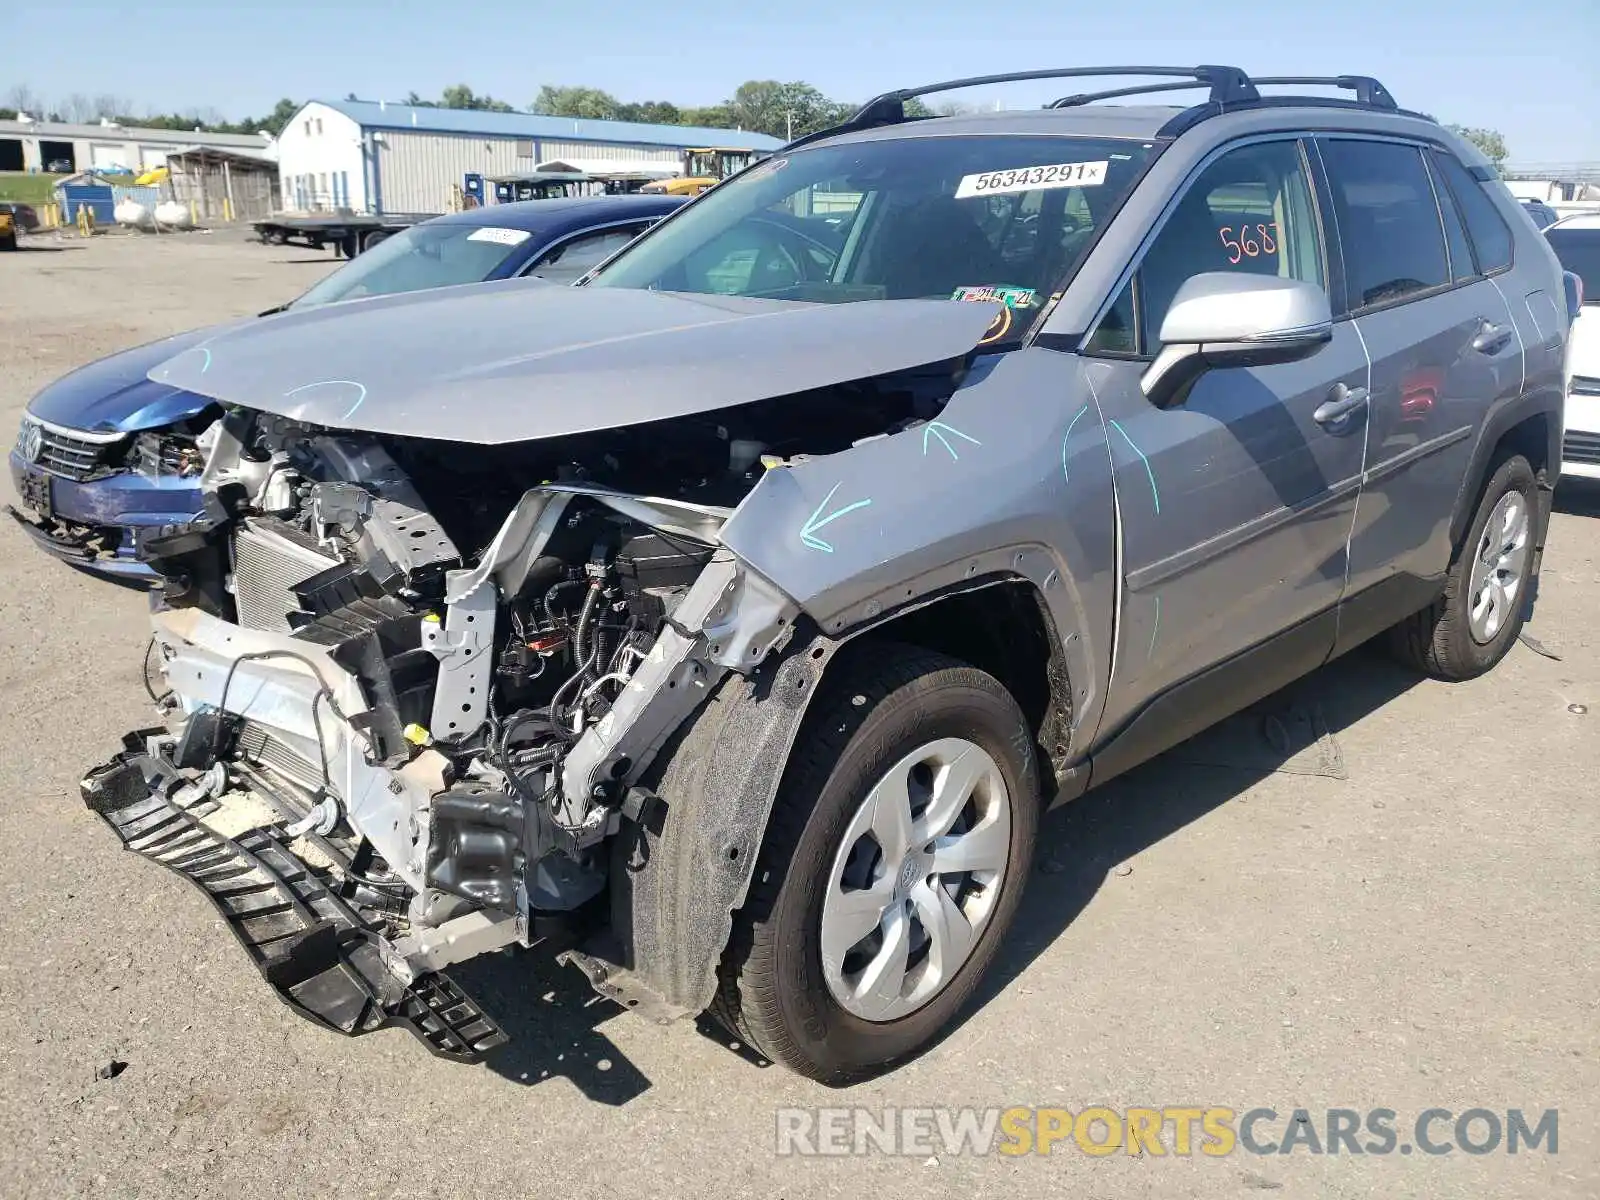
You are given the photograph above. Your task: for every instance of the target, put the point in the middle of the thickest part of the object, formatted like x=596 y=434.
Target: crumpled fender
x=1012 y=481
x=1013 y=478
x=680 y=872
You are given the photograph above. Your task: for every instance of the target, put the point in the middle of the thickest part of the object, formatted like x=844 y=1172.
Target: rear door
x=1444 y=349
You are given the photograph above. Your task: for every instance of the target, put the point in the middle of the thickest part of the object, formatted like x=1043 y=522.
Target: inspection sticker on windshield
x=503 y=237
x=1011 y=297
x=1028 y=179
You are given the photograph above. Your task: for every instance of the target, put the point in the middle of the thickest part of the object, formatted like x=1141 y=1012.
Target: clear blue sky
x=1527 y=69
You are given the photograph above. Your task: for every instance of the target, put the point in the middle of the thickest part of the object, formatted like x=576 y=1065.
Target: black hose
x=555 y=701
x=580 y=645
x=550 y=608
x=605 y=649
x=149 y=690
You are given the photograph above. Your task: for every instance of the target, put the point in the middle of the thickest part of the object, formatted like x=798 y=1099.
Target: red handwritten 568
x=1253 y=241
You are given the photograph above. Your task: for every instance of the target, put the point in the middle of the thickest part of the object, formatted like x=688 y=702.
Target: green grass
x=27 y=189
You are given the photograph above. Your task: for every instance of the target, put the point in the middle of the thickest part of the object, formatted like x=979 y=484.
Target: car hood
x=115 y=394
x=518 y=360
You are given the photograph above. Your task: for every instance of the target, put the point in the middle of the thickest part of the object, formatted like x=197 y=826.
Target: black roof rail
x=1367 y=89
x=1229 y=85
x=1145 y=89
x=1231 y=90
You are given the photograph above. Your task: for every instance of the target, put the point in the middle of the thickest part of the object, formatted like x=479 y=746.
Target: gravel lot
x=1419 y=934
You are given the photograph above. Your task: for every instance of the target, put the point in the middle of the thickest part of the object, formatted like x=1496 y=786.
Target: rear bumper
x=322 y=957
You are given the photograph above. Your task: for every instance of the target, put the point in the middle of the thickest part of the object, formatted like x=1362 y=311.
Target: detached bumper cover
x=315 y=951
x=94 y=524
x=83 y=548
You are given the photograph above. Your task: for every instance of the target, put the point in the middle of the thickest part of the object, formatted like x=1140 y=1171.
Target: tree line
x=759 y=105
x=768 y=106
x=79 y=108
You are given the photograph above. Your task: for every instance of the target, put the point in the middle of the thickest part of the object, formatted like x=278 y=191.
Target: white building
x=379 y=157
x=30 y=145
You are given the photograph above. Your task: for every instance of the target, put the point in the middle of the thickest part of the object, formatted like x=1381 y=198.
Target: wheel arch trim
x=681 y=871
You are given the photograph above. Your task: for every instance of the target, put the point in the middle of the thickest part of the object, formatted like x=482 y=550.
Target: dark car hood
x=116 y=394
x=518 y=360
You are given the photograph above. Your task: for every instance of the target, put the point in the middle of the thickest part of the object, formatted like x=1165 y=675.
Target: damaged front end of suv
x=416 y=708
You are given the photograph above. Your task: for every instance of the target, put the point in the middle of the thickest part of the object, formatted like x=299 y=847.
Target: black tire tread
x=1431 y=641
x=876 y=676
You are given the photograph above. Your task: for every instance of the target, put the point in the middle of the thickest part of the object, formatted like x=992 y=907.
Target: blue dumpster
x=93 y=196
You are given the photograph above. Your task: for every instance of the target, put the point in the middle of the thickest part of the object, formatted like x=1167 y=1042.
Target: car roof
x=564 y=215
x=1101 y=120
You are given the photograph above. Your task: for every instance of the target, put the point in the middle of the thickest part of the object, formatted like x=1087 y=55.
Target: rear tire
x=372 y=239
x=887 y=705
x=9 y=242
x=1471 y=626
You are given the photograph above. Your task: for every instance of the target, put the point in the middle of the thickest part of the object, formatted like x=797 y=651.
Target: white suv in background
x=1576 y=241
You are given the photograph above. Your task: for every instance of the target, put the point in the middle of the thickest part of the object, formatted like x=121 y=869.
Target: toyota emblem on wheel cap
x=31 y=442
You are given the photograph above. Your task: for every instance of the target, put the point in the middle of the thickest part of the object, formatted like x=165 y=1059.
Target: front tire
x=1470 y=628
x=896 y=856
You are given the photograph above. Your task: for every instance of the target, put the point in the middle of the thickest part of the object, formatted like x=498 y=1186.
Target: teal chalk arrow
x=938 y=429
x=808 y=531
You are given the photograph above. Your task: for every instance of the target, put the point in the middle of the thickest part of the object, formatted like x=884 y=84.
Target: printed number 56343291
x=1027 y=179
x=1252 y=242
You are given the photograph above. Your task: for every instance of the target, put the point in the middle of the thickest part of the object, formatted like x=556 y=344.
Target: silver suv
x=727 y=621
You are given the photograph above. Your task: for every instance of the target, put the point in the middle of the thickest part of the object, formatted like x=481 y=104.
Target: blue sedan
x=106 y=453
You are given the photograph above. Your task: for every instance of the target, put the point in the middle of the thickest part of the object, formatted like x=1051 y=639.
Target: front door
x=1235 y=508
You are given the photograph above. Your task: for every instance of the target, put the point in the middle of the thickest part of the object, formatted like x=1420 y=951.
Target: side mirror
x=1219 y=319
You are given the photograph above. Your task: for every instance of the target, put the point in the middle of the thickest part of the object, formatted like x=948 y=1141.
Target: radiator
x=267 y=565
x=259 y=747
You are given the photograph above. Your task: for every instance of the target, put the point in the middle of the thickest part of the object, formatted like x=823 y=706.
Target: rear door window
x=1389 y=225
x=1491 y=236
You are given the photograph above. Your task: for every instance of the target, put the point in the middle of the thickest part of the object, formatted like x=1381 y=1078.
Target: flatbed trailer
x=348 y=235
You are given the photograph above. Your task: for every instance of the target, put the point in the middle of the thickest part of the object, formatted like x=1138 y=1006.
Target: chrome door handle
x=1492 y=338
x=1338 y=406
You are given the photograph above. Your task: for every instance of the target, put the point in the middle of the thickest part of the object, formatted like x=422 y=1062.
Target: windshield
x=959 y=218
x=424 y=256
x=1579 y=252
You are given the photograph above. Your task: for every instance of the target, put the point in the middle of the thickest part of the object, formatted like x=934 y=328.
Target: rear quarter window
x=1491 y=236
